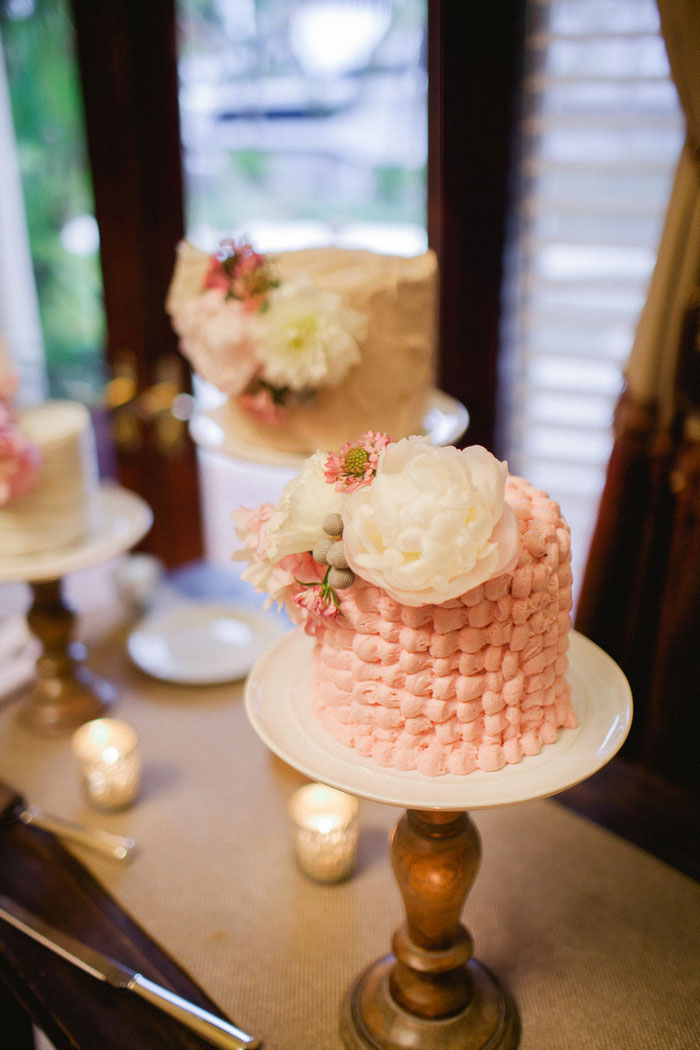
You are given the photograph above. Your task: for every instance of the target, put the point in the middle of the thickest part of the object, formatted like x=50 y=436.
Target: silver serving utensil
x=13 y=807
x=214 y=1029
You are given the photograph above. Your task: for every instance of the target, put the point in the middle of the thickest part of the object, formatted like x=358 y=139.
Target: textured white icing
x=59 y=509
x=474 y=683
x=389 y=390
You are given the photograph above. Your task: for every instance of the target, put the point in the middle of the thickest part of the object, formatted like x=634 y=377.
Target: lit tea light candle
x=110 y=764
x=325 y=831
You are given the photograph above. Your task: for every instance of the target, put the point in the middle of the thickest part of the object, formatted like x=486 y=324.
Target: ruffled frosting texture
x=472 y=683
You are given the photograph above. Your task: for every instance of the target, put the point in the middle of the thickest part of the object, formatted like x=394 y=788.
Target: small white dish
x=201 y=643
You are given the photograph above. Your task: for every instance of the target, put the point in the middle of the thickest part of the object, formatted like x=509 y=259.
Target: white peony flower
x=306 y=338
x=217 y=339
x=302 y=508
x=433 y=524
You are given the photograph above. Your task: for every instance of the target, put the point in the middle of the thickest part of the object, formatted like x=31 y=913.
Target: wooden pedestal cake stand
x=66 y=693
x=430 y=993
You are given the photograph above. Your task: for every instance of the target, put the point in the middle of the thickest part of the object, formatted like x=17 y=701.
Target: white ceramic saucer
x=279 y=708
x=201 y=643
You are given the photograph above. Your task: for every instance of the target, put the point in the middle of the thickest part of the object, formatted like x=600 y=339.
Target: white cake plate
x=444 y=422
x=201 y=643
x=66 y=693
x=278 y=704
x=121 y=519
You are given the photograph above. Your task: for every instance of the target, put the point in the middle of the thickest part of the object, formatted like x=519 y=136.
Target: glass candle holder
x=324 y=832
x=109 y=760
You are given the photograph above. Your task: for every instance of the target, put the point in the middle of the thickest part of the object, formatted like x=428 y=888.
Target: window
x=66 y=356
x=601 y=134
x=305 y=122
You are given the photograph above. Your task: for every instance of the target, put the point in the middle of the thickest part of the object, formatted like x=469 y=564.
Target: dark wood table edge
x=642 y=807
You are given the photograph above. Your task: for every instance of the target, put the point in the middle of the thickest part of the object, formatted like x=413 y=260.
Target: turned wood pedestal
x=430 y=994
x=65 y=693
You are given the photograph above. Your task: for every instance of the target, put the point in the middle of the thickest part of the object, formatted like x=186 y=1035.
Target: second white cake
x=59 y=510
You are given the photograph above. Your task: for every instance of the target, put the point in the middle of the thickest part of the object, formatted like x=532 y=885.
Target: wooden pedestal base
x=65 y=693
x=430 y=994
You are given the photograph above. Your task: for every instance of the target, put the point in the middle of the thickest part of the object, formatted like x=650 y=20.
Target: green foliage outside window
x=37 y=41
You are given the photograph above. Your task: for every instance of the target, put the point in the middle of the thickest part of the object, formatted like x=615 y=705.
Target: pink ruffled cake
x=438 y=589
x=474 y=683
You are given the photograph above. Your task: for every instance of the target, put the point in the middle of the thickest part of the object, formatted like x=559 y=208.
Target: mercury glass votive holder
x=324 y=832
x=110 y=764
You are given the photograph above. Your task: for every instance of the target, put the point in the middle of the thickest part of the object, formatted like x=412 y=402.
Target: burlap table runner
x=598 y=941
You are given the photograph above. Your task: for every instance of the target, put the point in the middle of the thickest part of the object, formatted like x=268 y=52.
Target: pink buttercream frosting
x=474 y=683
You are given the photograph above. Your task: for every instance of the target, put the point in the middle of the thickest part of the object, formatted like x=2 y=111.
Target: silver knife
x=214 y=1029
x=13 y=807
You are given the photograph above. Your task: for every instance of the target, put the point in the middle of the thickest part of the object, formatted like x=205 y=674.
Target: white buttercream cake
x=341 y=340
x=59 y=508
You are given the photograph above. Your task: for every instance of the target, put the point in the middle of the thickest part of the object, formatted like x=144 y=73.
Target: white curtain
x=20 y=328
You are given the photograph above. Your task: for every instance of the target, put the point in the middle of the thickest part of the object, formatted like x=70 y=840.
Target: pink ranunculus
x=216 y=276
x=216 y=338
x=262 y=406
x=250 y=526
x=19 y=462
x=313 y=607
x=241 y=273
x=9 y=380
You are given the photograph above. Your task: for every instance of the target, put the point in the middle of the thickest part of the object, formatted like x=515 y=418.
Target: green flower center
x=355 y=461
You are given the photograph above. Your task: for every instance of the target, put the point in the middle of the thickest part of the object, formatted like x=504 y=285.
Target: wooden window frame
x=127 y=57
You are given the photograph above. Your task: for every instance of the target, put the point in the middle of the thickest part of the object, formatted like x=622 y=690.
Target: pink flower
x=19 y=461
x=8 y=386
x=356 y=463
x=241 y=273
x=216 y=338
x=250 y=526
x=215 y=276
x=262 y=405
x=315 y=606
x=9 y=380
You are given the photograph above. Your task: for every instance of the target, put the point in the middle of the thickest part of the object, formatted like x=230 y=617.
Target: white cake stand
x=430 y=993
x=445 y=421
x=66 y=693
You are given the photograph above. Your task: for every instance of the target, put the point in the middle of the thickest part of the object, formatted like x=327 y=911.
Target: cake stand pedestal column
x=65 y=693
x=430 y=993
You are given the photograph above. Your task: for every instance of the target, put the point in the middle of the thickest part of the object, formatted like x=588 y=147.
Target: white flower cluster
x=306 y=338
x=432 y=524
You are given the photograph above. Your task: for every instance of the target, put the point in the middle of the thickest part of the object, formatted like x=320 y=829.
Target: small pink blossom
x=9 y=380
x=19 y=461
x=356 y=463
x=250 y=526
x=262 y=406
x=216 y=338
x=315 y=606
x=241 y=273
x=8 y=386
x=282 y=580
